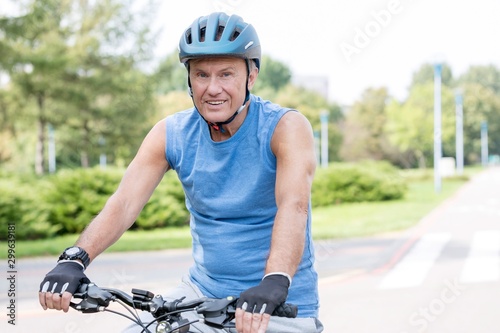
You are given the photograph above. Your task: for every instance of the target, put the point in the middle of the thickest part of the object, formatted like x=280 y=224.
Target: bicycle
x=218 y=313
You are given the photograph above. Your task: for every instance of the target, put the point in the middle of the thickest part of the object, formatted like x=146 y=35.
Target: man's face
x=218 y=86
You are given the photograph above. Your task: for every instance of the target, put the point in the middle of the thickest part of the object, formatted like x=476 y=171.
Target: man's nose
x=214 y=86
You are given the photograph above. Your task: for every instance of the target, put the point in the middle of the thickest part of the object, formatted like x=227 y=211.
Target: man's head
x=222 y=53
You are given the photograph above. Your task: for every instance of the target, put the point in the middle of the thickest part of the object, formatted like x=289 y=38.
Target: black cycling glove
x=66 y=276
x=264 y=298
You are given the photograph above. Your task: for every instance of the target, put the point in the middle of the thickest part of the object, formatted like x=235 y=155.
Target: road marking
x=412 y=270
x=346 y=276
x=483 y=262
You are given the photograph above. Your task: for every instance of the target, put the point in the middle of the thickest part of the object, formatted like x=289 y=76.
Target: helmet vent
x=234 y=35
x=189 y=39
x=220 y=31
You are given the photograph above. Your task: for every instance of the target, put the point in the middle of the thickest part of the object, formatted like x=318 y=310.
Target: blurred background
x=403 y=97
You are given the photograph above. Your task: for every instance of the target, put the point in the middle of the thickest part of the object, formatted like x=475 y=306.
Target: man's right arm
x=120 y=211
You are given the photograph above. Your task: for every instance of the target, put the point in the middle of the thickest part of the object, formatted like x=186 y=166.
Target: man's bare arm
x=121 y=210
x=293 y=145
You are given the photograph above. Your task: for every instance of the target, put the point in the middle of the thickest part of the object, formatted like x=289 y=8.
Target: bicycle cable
x=167 y=315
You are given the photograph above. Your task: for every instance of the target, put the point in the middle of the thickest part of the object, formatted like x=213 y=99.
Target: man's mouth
x=215 y=102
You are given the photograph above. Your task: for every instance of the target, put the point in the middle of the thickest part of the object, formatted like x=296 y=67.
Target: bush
x=77 y=196
x=67 y=201
x=22 y=205
x=367 y=181
x=166 y=206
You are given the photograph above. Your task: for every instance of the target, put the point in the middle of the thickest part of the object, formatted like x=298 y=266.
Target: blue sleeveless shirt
x=230 y=194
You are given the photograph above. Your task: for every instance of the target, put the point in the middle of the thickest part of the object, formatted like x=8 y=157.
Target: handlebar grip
x=286 y=310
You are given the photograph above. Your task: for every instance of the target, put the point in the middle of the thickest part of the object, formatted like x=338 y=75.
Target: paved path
x=440 y=276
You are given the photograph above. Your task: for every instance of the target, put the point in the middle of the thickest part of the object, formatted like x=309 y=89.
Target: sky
x=356 y=44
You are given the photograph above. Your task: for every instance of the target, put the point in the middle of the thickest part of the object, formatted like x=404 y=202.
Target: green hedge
x=22 y=205
x=67 y=201
x=77 y=196
x=166 y=206
x=366 y=181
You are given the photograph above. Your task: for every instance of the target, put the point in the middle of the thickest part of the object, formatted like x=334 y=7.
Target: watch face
x=72 y=250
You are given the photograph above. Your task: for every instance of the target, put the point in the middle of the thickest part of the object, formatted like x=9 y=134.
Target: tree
x=480 y=87
x=486 y=76
x=410 y=125
x=273 y=75
x=7 y=125
x=480 y=104
x=171 y=75
x=312 y=104
x=364 y=129
x=35 y=59
x=425 y=74
x=173 y=102
x=109 y=92
x=78 y=60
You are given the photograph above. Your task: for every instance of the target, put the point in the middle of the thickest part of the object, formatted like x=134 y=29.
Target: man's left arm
x=293 y=146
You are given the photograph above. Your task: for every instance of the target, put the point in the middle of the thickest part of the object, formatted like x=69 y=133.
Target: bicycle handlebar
x=216 y=312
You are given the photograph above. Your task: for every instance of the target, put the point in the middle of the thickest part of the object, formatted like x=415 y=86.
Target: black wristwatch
x=74 y=253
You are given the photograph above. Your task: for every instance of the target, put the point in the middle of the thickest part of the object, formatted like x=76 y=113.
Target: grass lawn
x=339 y=221
x=370 y=218
x=168 y=238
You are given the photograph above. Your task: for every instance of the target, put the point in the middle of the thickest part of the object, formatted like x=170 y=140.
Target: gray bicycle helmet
x=219 y=34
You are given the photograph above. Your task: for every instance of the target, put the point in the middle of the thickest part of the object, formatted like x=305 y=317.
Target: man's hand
x=255 y=306
x=59 y=285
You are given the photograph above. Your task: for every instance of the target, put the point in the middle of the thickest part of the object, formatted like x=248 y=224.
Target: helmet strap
x=218 y=125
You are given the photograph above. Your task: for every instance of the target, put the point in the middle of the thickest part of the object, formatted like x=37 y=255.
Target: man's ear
x=252 y=77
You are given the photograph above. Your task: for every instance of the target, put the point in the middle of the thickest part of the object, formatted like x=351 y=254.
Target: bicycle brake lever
x=87 y=306
x=218 y=312
x=94 y=299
